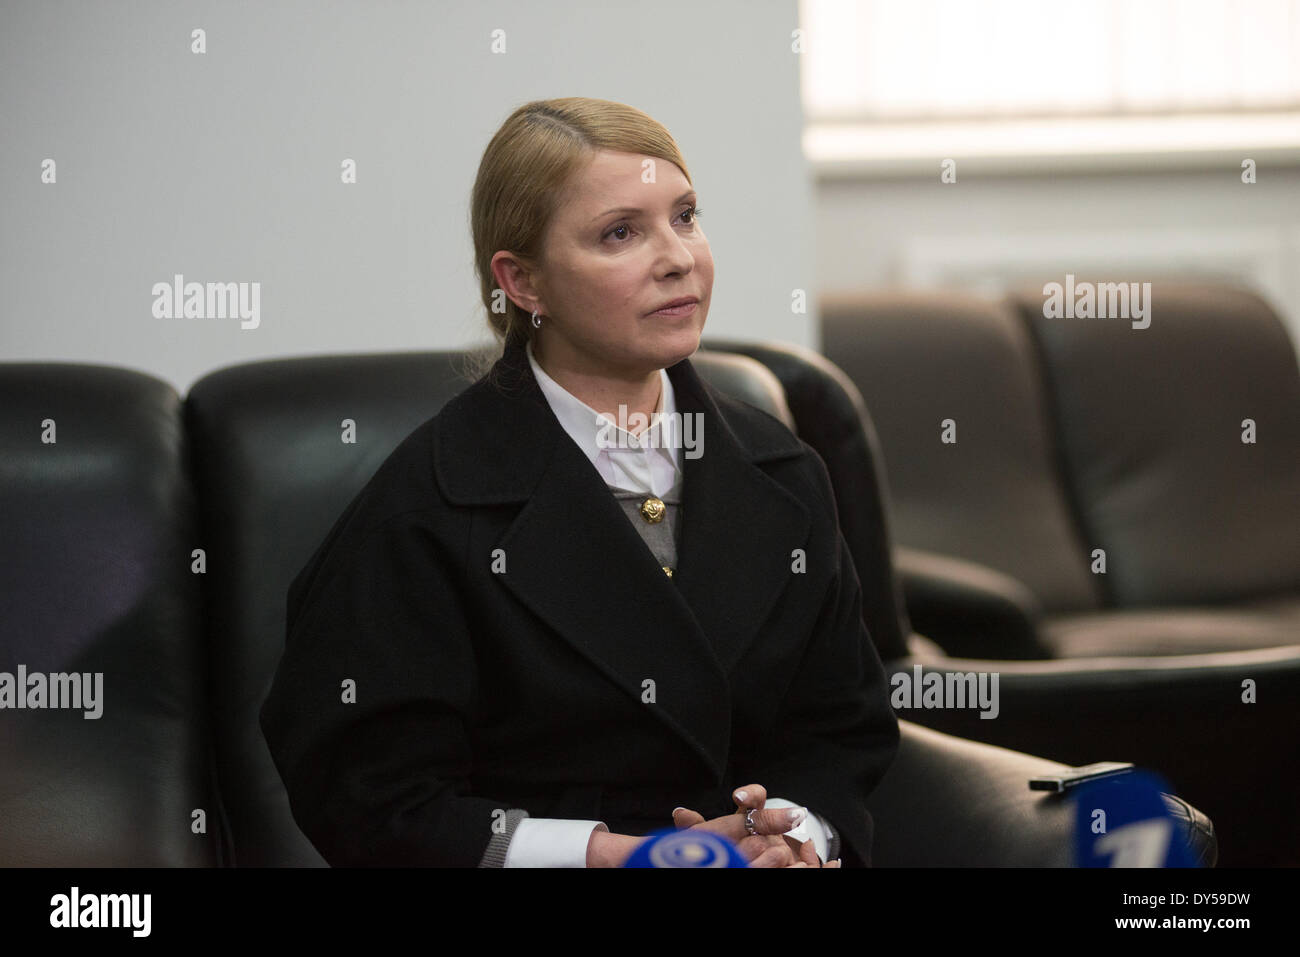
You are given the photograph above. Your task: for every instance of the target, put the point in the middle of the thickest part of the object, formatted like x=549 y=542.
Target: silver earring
x=537 y=323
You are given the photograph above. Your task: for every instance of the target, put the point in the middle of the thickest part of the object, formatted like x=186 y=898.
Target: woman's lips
x=685 y=310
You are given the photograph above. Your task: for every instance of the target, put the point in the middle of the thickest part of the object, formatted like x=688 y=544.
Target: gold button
x=652 y=510
x=667 y=571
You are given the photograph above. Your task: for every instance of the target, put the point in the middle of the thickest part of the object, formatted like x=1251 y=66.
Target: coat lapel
x=575 y=560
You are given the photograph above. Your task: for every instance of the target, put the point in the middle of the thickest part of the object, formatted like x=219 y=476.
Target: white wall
x=225 y=166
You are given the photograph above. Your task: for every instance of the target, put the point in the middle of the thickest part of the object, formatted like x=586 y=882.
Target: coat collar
x=499 y=444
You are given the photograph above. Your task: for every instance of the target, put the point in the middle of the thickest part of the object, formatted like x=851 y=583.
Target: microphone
x=1123 y=822
x=686 y=848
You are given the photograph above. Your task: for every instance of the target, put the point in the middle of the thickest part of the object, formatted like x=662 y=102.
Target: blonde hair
x=524 y=169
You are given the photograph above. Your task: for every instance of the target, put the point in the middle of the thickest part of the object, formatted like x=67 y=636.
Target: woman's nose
x=676 y=254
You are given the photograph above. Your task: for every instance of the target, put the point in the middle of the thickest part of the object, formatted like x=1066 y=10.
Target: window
x=1192 y=74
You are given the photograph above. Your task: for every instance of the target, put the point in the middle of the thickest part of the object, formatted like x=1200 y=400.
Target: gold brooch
x=652 y=510
x=667 y=571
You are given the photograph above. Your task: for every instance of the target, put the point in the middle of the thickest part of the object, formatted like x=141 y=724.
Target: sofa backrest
x=1191 y=502
x=937 y=366
x=98 y=581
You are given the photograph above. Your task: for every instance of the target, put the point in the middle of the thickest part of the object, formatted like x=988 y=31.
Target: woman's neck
x=605 y=389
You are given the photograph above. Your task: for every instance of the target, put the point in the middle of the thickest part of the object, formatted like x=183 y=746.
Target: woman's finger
x=685 y=817
x=769 y=821
x=804 y=851
x=773 y=821
x=751 y=795
x=752 y=847
x=808 y=852
x=778 y=855
x=776 y=820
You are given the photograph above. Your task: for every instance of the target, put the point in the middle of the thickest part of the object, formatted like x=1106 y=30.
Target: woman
x=535 y=637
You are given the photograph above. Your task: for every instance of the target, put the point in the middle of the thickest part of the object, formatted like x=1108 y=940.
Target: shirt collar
x=584 y=424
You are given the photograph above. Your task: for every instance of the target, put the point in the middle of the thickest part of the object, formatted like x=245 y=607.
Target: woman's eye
x=692 y=212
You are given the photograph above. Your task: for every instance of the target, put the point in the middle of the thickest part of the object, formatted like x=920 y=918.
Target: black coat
x=478 y=691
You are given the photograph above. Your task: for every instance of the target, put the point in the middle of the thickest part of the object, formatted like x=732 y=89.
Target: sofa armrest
x=950 y=802
x=969 y=609
x=1220 y=728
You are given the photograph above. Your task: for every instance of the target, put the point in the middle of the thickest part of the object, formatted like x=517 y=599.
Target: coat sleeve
x=834 y=734
x=366 y=716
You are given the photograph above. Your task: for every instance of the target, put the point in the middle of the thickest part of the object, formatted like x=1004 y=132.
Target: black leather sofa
x=1081 y=440
x=153 y=538
x=994 y=562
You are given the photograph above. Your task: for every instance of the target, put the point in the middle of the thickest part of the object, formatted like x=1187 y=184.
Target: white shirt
x=649 y=464
x=634 y=463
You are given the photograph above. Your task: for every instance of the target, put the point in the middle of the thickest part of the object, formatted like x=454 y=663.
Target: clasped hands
x=769 y=845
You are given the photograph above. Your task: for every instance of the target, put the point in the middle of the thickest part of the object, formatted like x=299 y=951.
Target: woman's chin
x=663 y=346
x=683 y=346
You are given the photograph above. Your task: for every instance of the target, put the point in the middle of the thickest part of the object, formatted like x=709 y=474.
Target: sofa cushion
x=1175 y=631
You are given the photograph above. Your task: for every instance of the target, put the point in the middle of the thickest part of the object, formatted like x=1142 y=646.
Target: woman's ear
x=515 y=275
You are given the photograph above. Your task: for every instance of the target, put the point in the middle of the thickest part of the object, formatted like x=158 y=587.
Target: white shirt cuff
x=810 y=830
x=550 y=842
